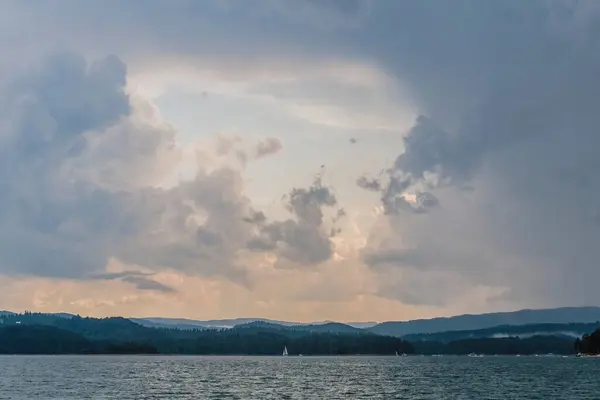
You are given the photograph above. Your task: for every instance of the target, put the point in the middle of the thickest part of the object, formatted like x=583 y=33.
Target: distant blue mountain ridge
x=565 y=321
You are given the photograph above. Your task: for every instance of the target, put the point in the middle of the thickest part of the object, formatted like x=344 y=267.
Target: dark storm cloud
x=509 y=92
x=303 y=240
x=141 y=280
x=372 y=184
x=268 y=147
x=143 y=283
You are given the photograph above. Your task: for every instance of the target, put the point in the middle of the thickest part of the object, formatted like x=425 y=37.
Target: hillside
x=22 y=339
x=95 y=329
x=32 y=333
x=183 y=323
x=51 y=334
x=482 y=321
x=566 y=331
x=567 y=315
x=330 y=327
x=499 y=346
x=400 y=328
x=589 y=343
x=166 y=323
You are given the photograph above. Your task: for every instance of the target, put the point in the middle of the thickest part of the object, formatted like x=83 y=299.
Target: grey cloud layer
x=80 y=165
x=268 y=147
x=303 y=240
x=141 y=280
x=510 y=91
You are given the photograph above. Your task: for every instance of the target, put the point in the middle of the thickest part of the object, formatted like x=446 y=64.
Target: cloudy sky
x=299 y=159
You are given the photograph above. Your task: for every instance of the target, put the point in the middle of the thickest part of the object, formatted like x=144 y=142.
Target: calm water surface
x=116 y=377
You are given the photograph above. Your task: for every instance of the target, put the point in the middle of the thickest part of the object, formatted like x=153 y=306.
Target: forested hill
x=48 y=334
x=589 y=344
x=567 y=331
x=565 y=315
x=52 y=334
x=330 y=327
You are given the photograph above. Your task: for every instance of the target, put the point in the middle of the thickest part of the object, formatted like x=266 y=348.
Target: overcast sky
x=299 y=159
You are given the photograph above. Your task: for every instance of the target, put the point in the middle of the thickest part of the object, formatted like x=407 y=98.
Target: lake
x=164 y=377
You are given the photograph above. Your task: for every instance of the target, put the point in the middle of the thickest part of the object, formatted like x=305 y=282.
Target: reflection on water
x=127 y=377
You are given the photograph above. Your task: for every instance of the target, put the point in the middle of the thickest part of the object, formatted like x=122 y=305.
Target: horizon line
x=313 y=321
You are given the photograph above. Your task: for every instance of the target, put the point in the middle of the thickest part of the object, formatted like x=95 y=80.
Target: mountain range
x=564 y=315
x=182 y=323
x=466 y=322
x=536 y=321
x=43 y=333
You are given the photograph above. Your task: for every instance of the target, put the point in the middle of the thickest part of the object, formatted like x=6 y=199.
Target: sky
x=305 y=160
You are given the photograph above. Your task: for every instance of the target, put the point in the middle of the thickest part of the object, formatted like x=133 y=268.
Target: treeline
x=589 y=344
x=48 y=334
x=498 y=346
x=258 y=342
x=567 y=331
x=39 y=339
x=51 y=334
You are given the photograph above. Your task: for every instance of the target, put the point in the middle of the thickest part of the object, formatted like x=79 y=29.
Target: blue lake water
x=158 y=377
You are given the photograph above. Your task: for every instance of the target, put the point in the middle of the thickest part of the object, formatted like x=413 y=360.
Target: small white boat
x=285 y=352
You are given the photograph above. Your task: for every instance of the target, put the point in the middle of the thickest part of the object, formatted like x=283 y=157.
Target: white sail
x=285 y=353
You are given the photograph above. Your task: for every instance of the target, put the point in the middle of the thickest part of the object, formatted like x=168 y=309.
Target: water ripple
x=427 y=378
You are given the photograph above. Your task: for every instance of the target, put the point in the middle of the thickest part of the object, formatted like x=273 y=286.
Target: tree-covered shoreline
x=32 y=333
x=47 y=334
x=589 y=344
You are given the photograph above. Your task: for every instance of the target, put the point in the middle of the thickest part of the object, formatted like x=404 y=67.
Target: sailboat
x=285 y=353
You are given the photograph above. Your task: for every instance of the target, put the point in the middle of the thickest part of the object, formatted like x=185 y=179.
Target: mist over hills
x=61 y=333
x=566 y=321
x=183 y=323
x=568 y=331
